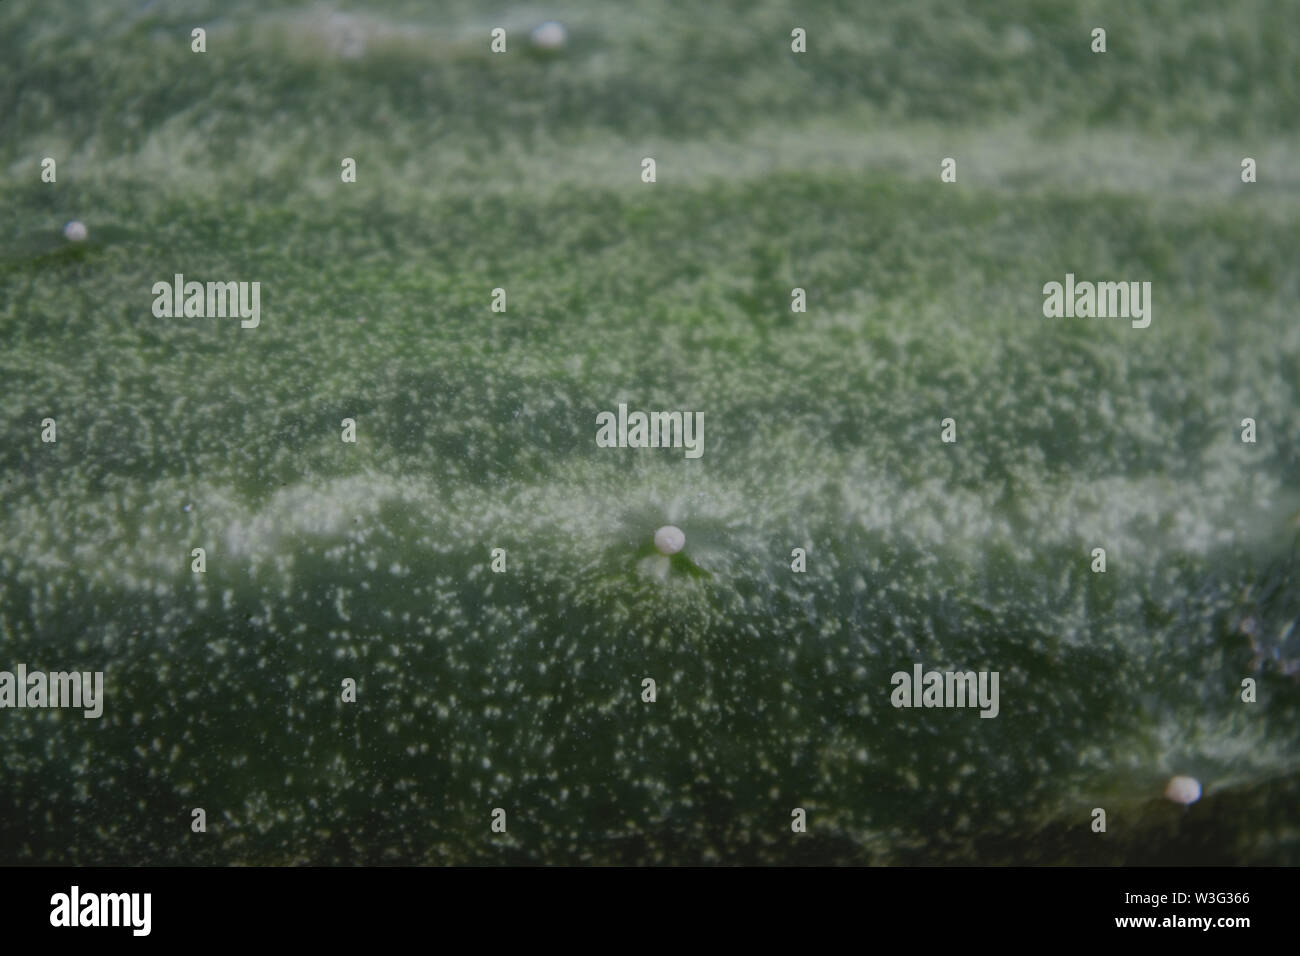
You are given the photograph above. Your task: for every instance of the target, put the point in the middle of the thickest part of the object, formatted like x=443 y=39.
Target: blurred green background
x=476 y=430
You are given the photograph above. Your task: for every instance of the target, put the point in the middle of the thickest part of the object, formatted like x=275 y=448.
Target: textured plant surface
x=476 y=431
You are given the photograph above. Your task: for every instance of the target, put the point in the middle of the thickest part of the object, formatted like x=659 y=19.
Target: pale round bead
x=1184 y=790
x=550 y=36
x=670 y=539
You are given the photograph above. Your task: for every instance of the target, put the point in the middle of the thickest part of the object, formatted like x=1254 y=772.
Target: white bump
x=1184 y=790
x=669 y=539
x=549 y=36
x=76 y=231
